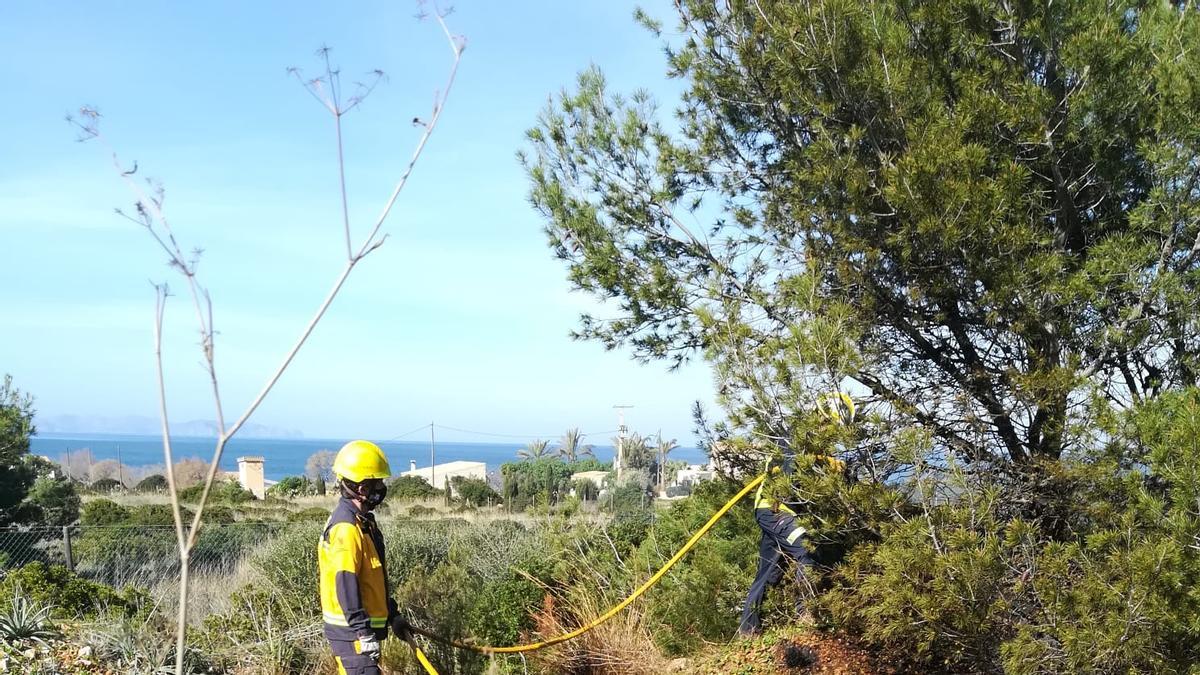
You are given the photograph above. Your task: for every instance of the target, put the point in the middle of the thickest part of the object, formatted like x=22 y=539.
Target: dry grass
x=315 y=501
x=620 y=645
x=130 y=498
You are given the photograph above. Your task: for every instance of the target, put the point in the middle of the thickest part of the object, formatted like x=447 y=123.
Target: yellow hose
x=420 y=655
x=603 y=617
x=429 y=669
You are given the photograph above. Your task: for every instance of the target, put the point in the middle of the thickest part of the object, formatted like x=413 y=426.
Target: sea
x=286 y=457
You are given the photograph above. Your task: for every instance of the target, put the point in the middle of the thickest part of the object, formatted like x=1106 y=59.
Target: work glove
x=401 y=627
x=368 y=646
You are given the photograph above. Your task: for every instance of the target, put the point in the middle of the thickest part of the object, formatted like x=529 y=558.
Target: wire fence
x=143 y=555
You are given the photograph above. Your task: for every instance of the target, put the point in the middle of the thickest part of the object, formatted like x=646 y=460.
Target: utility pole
x=432 y=457
x=120 y=468
x=661 y=470
x=620 y=438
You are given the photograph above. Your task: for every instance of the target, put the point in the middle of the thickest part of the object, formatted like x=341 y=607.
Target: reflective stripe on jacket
x=761 y=501
x=354 y=592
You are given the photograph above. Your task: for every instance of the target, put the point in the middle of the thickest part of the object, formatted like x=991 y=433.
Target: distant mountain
x=149 y=426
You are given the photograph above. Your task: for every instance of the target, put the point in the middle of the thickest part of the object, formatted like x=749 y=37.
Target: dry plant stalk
x=621 y=645
x=149 y=214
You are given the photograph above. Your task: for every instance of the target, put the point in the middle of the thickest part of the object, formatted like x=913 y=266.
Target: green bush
x=292 y=487
x=221 y=548
x=417 y=510
x=629 y=497
x=313 y=514
x=225 y=491
x=1121 y=598
x=504 y=609
x=105 y=485
x=54 y=501
x=541 y=482
x=288 y=563
x=716 y=575
x=104 y=512
x=411 y=487
x=474 y=491
x=157 y=515
x=585 y=489
x=152 y=483
x=218 y=514
x=70 y=595
x=442 y=601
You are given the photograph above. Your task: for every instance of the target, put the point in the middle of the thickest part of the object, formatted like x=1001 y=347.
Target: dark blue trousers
x=780 y=540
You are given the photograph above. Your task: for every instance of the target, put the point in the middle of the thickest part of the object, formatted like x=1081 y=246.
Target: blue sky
x=462 y=317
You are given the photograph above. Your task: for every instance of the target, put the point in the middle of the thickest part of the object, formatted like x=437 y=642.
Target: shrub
x=504 y=609
x=417 y=510
x=105 y=485
x=411 y=487
x=141 y=645
x=679 y=490
x=220 y=549
x=292 y=487
x=54 y=500
x=315 y=514
x=474 y=491
x=191 y=494
x=70 y=595
x=442 y=601
x=152 y=483
x=934 y=590
x=218 y=514
x=288 y=563
x=157 y=515
x=1121 y=598
x=716 y=575
x=541 y=481
x=585 y=489
x=226 y=491
x=629 y=497
x=231 y=492
x=104 y=512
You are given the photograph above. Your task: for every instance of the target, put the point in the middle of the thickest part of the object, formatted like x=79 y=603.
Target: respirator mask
x=372 y=491
x=376 y=493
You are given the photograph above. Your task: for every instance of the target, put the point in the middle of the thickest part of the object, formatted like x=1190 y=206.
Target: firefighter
x=355 y=599
x=781 y=535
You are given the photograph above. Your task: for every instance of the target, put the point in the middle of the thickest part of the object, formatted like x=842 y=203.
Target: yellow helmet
x=836 y=407
x=360 y=460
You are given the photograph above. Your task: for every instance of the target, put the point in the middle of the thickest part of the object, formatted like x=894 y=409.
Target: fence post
x=67 y=548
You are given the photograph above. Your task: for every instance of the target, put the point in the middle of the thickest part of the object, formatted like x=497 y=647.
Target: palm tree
x=634 y=451
x=538 y=449
x=572 y=447
x=664 y=448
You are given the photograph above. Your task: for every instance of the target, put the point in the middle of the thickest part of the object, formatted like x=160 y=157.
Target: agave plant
x=133 y=644
x=26 y=620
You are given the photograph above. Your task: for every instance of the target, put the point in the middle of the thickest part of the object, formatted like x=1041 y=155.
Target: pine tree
x=983 y=217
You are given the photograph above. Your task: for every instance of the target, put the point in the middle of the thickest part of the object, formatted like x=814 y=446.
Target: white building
x=597 y=477
x=251 y=476
x=438 y=474
x=693 y=474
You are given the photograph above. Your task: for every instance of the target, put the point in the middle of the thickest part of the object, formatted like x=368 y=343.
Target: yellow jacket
x=354 y=591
